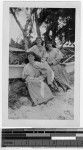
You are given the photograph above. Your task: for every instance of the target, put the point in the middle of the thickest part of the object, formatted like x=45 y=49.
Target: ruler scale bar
x=35 y=137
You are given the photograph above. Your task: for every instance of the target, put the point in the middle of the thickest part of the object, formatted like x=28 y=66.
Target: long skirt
x=39 y=92
x=61 y=75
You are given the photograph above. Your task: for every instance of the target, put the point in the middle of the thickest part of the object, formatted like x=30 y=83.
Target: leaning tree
x=27 y=29
x=58 y=22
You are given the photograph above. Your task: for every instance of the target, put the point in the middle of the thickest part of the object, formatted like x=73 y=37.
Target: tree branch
x=68 y=59
x=15 y=17
x=37 y=25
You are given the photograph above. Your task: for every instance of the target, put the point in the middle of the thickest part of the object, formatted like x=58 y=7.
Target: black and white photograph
x=41 y=62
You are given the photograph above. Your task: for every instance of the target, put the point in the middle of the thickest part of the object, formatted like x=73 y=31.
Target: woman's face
x=31 y=58
x=39 y=42
x=49 y=46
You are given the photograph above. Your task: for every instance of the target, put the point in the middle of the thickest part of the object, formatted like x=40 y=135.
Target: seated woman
x=38 y=89
x=54 y=55
x=40 y=50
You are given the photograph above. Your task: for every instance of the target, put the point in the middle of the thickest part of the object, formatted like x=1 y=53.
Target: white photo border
x=5 y=65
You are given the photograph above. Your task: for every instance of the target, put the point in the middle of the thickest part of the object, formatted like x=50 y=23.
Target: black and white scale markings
x=42 y=137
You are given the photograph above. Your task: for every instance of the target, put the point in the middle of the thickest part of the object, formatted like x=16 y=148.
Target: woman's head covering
x=38 y=38
x=37 y=58
x=47 y=44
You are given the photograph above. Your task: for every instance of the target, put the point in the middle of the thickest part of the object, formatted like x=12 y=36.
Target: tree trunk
x=63 y=38
x=54 y=29
x=37 y=26
x=26 y=43
x=46 y=35
x=23 y=30
x=53 y=38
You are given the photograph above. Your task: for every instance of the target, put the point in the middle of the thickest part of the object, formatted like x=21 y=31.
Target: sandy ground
x=60 y=108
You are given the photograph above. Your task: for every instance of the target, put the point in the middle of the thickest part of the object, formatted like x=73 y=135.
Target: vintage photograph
x=41 y=63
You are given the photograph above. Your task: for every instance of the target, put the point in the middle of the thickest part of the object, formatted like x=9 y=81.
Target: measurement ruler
x=42 y=137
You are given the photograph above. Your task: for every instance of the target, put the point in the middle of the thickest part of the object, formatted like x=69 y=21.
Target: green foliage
x=50 y=17
x=16 y=44
x=17 y=58
x=17 y=89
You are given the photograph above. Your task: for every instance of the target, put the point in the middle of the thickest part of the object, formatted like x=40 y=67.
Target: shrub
x=17 y=89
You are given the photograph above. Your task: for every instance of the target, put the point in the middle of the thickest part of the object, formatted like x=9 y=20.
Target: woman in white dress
x=40 y=50
x=54 y=55
x=38 y=89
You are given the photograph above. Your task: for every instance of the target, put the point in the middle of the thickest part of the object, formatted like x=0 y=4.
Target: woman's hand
x=40 y=78
x=49 y=61
x=43 y=60
x=29 y=79
x=55 y=62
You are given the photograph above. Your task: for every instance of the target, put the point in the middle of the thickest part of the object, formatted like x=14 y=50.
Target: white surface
x=15 y=71
x=81 y=78
x=15 y=49
x=63 y=138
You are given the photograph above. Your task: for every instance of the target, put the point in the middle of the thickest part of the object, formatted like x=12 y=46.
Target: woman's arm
x=43 y=55
x=58 y=57
x=24 y=75
x=34 y=79
x=29 y=79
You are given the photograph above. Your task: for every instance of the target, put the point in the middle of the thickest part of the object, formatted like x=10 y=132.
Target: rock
x=25 y=101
